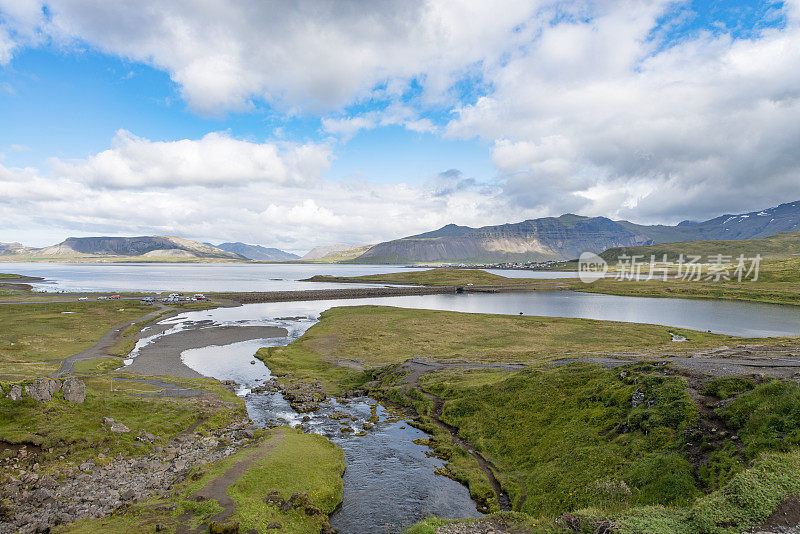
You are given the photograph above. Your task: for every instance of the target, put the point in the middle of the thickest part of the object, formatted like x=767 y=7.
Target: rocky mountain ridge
x=567 y=236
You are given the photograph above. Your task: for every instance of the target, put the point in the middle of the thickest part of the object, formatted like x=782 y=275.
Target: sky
x=313 y=122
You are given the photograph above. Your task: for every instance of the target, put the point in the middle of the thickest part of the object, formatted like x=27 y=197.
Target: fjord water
x=190 y=277
x=723 y=317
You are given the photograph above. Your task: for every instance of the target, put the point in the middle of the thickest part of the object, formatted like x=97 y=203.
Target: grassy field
x=33 y=337
x=378 y=335
x=443 y=276
x=569 y=439
x=290 y=462
x=783 y=245
x=76 y=430
x=778 y=280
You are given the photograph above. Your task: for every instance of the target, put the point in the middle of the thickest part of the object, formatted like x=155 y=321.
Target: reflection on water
x=744 y=319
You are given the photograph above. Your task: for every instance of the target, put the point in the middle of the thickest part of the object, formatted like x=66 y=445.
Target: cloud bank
x=601 y=108
x=222 y=188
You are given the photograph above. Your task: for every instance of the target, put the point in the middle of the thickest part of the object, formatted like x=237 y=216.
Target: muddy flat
x=162 y=357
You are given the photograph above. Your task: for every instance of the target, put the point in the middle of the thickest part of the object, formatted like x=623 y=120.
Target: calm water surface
x=191 y=277
x=744 y=319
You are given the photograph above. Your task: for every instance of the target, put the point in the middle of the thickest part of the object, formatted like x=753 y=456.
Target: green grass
x=766 y=418
x=781 y=245
x=379 y=335
x=555 y=435
x=564 y=439
x=513 y=521
x=291 y=462
x=41 y=332
x=299 y=462
x=749 y=497
x=76 y=430
x=443 y=276
x=100 y=366
x=779 y=271
x=727 y=387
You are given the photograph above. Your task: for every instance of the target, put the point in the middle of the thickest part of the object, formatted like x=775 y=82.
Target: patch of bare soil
x=493 y=525
x=217 y=488
x=785 y=519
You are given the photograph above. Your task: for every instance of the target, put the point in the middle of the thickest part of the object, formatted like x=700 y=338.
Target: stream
x=389 y=483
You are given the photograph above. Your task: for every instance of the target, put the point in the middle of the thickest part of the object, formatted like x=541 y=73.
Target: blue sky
x=399 y=120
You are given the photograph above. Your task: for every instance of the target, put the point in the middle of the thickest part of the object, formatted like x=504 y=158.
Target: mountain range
x=337 y=253
x=544 y=239
x=150 y=248
x=257 y=252
x=567 y=236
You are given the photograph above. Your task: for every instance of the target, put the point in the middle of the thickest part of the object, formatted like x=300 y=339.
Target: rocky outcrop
x=74 y=390
x=119 y=428
x=15 y=393
x=96 y=488
x=304 y=396
x=43 y=389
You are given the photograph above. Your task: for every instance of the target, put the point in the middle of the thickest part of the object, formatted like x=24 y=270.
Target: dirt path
x=100 y=349
x=217 y=488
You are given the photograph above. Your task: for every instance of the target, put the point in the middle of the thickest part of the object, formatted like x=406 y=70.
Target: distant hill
x=13 y=248
x=782 y=245
x=567 y=236
x=257 y=252
x=549 y=238
x=323 y=250
x=336 y=256
x=151 y=248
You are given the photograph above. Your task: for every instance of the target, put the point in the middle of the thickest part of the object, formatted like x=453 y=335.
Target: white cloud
x=581 y=108
x=593 y=118
x=144 y=187
x=214 y=160
x=322 y=55
x=393 y=115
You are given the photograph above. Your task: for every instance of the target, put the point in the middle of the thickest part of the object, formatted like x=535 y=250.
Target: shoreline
x=163 y=356
x=368 y=292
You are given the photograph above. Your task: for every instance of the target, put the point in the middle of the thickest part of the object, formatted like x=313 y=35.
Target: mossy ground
x=76 y=430
x=380 y=335
x=290 y=461
x=35 y=336
x=568 y=439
